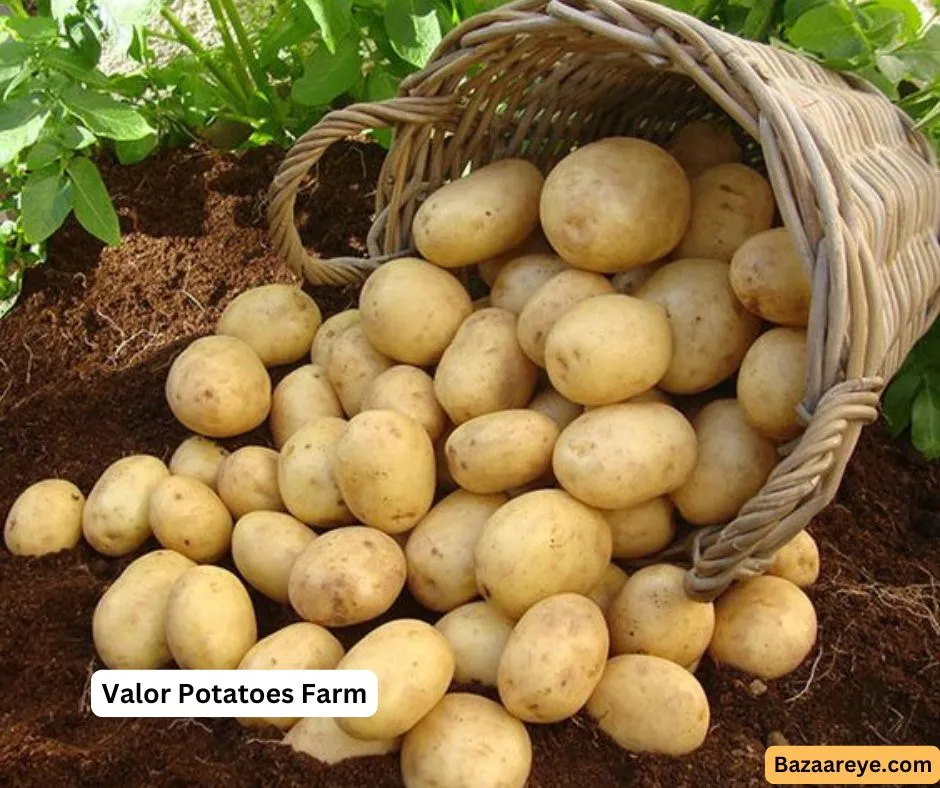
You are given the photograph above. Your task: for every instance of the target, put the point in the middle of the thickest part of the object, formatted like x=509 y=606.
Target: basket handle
x=306 y=151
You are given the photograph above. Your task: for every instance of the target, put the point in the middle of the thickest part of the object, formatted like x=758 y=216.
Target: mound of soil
x=83 y=360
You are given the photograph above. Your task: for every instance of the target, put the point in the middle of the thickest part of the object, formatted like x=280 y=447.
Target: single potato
x=409 y=391
x=702 y=144
x=477 y=633
x=247 y=481
x=303 y=396
x=771 y=281
x=629 y=281
x=607 y=589
x=642 y=530
x=323 y=739
x=45 y=518
x=797 y=561
x=188 y=517
x=520 y=278
x=352 y=366
x=264 y=548
x=534 y=244
x=550 y=403
x=772 y=382
x=198 y=458
x=329 y=331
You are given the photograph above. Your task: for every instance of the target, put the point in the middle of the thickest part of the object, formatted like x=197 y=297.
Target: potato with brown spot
x=264 y=548
x=188 y=517
x=352 y=366
x=327 y=334
x=520 y=278
x=303 y=396
x=199 y=458
x=247 y=481
x=769 y=278
x=45 y=518
x=409 y=391
x=702 y=144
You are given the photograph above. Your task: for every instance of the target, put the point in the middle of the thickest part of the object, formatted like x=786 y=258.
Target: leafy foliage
x=913 y=398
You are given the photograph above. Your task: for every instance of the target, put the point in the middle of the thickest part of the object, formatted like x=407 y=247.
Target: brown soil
x=83 y=359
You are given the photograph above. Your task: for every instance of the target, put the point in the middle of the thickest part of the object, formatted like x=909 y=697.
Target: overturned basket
x=856 y=187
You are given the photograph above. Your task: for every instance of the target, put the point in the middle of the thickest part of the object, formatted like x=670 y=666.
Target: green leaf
x=334 y=18
x=327 y=76
x=898 y=400
x=43 y=154
x=84 y=42
x=380 y=85
x=74 y=137
x=34 y=28
x=882 y=25
x=910 y=14
x=21 y=120
x=93 y=206
x=73 y=64
x=925 y=420
x=134 y=151
x=922 y=57
x=794 y=9
x=105 y=116
x=13 y=56
x=830 y=31
x=60 y=9
x=46 y=201
x=413 y=28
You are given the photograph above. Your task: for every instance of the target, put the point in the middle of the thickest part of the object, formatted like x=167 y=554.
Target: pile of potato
x=497 y=457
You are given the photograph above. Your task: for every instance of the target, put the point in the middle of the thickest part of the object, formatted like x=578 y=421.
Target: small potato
x=734 y=461
x=409 y=391
x=328 y=333
x=248 y=481
x=730 y=203
x=129 y=622
x=210 y=622
x=520 y=278
x=347 y=576
x=439 y=550
x=772 y=382
x=771 y=281
x=414 y=665
x=797 y=561
x=303 y=396
x=642 y=530
x=539 y=544
x=544 y=675
x=619 y=456
x=352 y=366
x=702 y=144
x=188 y=517
x=264 y=548
x=306 y=474
x=45 y=518
x=711 y=330
x=323 y=739
x=498 y=451
x=649 y=704
x=198 y=458
x=653 y=615
x=218 y=387
x=534 y=244
x=445 y=482
x=477 y=632
x=550 y=403
x=115 y=520
x=490 y=211
x=629 y=281
x=606 y=590
x=550 y=302
x=652 y=395
x=764 y=626
x=278 y=321
x=466 y=741
x=484 y=369
x=608 y=348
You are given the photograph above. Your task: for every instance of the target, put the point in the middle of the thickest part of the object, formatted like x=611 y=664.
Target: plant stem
x=257 y=73
x=758 y=19
x=16 y=6
x=236 y=59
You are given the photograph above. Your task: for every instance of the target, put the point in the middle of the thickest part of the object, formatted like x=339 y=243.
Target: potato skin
x=521 y=277
x=247 y=481
x=641 y=530
x=410 y=391
x=772 y=382
x=550 y=403
x=264 y=548
x=45 y=518
x=352 y=366
x=303 y=395
x=328 y=332
x=702 y=144
x=536 y=243
x=769 y=278
x=608 y=587
x=477 y=633
x=797 y=561
x=323 y=739
x=199 y=458
x=188 y=517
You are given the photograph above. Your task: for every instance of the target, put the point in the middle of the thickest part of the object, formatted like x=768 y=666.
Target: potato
x=649 y=704
x=218 y=387
x=484 y=369
x=554 y=658
x=536 y=243
x=300 y=646
x=550 y=403
x=769 y=278
x=797 y=561
x=115 y=520
x=550 y=302
x=608 y=587
x=264 y=548
x=247 y=481
x=278 y=321
x=629 y=281
x=352 y=366
x=306 y=474
x=409 y=391
x=328 y=333
x=347 y=576
x=539 y=544
x=502 y=450
x=477 y=633
x=615 y=203
x=445 y=482
x=702 y=144
x=303 y=396
x=490 y=211
x=764 y=626
x=323 y=739
x=414 y=665
x=608 y=348
x=651 y=395
x=45 y=518
x=466 y=741
x=520 y=278
x=439 y=550
x=210 y=622
x=188 y=517
x=129 y=622
x=198 y=458
x=622 y=455
x=384 y=467
x=730 y=203
x=772 y=382
x=641 y=530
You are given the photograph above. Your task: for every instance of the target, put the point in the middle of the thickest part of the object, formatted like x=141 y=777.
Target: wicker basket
x=856 y=187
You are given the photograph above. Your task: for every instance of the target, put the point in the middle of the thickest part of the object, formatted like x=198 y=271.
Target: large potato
x=539 y=544
x=730 y=203
x=247 y=481
x=484 y=369
x=303 y=396
x=772 y=382
x=520 y=278
x=711 y=330
x=210 y=622
x=439 y=550
x=45 y=518
x=115 y=520
x=188 y=517
x=702 y=144
x=278 y=321
x=649 y=704
x=608 y=348
x=410 y=391
x=198 y=458
x=622 y=455
x=771 y=281
x=264 y=548
x=466 y=741
x=477 y=633
x=414 y=665
x=471 y=219
x=643 y=529
x=550 y=403
x=347 y=576
x=331 y=329
x=129 y=622
x=323 y=739
x=352 y=365
x=554 y=658
x=608 y=587
x=218 y=387
x=797 y=561
x=615 y=203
